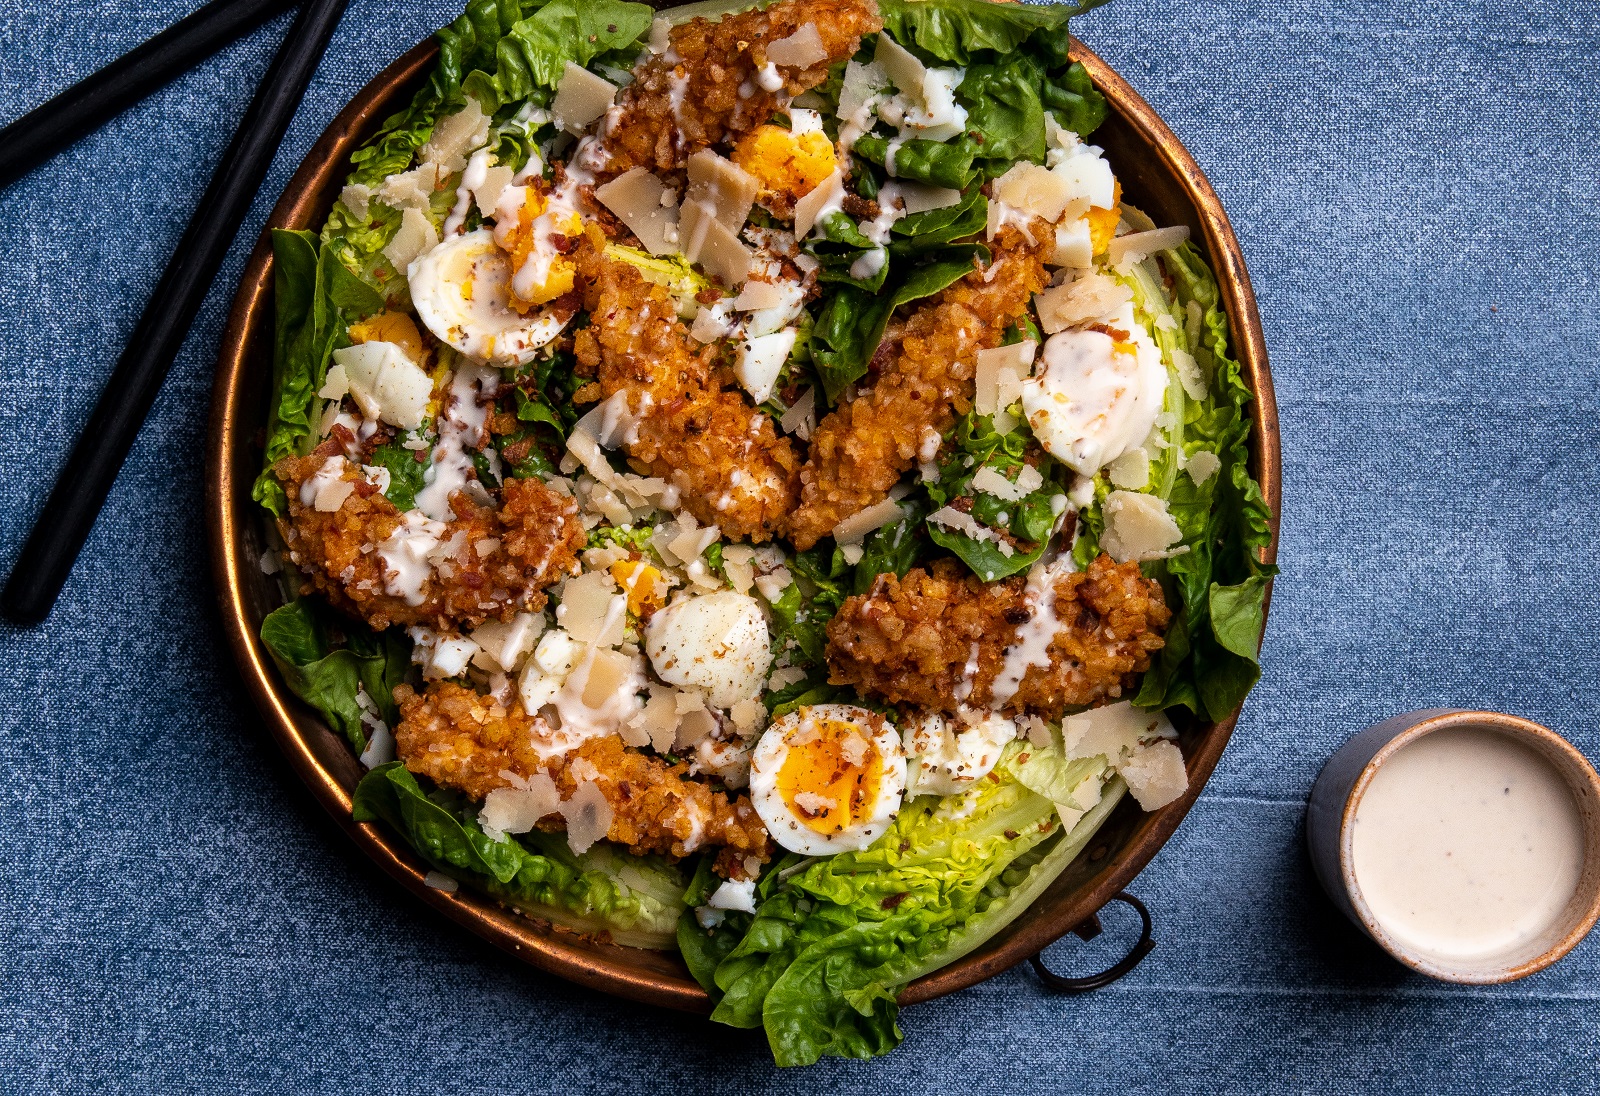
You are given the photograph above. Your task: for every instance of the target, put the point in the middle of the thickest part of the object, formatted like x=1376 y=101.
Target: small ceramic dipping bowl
x=1403 y=819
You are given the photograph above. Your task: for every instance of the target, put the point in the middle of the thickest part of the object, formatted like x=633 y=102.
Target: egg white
x=1088 y=402
x=461 y=289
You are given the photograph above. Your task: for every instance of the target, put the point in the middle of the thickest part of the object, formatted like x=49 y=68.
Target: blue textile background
x=1414 y=185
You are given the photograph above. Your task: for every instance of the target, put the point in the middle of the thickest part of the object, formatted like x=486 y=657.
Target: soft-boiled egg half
x=717 y=643
x=1095 y=393
x=462 y=291
x=828 y=778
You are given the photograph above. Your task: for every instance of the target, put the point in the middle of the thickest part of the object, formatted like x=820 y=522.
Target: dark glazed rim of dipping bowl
x=1381 y=743
x=1157 y=174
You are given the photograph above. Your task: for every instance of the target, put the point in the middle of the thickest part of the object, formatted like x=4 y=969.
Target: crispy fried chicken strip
x=861 y=449
x=710 y=87
x=911 y=640
x=460 y=739
x=725 y=457
x=488 y=563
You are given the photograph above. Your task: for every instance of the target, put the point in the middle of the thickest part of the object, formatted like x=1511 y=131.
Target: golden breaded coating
x=463 y=740
x=707 y=89
x=726 y=458
x=862 y=447
x=910 y=640
x=499 y=566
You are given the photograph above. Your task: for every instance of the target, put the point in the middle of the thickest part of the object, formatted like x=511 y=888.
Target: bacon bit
x=1011 y=835
x=857 y=206
x=565 y=245
x=708 y=296
x=890 y=901
x=1022 y=759
x=1116 y=333
x=517 y=451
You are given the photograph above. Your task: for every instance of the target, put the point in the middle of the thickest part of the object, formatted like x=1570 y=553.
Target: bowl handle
x=1088 y=930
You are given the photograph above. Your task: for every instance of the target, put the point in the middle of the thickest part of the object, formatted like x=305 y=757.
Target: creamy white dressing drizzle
x=472 y=178
x=461 y=427
x=405 y=552
x=1030 y=645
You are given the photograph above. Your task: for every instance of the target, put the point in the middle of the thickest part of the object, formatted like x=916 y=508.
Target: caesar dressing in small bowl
x=1467 y=844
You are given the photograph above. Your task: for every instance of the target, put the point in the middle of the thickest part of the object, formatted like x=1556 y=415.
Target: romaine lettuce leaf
x=316 y=300
x=951 y=30
x=530 y=58
x=937 y=163
x=329 y=679
x=636 y=900
x=1002 y=101
x=1219 y=584
x=975 y=445
x=834 y=940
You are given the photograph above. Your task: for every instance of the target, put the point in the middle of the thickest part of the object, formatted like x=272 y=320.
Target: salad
x=746 y=484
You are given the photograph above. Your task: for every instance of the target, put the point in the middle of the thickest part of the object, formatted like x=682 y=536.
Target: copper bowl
x=1157 y=174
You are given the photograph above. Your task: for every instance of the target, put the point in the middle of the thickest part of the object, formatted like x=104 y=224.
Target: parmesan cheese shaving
x=825 y=198
x=853 y=529
x=588 y=816
x=581 y=98
x=951 y=518
x=801 y=419
x=1138 y=246
x=643 y=203
x=415 y=235
x=999 y=374
x=993 y=482
x=1138 y=528
x=1088 y=298
x=1202 y=466
x=802 y=49
x=519 y=808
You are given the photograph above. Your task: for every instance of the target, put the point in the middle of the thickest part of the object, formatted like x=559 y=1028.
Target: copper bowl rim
x=232 y=446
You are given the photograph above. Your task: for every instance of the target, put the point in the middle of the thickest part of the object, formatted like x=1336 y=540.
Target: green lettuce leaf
x=1071 y=96
x=975 y=445
x=1002 y=101
x=531 y=57
x=1219 y=585
x=329 y=677
x=636 y=900
x=851 y=322
x=316 y=299
x=937 y=163
x=407 y=475
x=832 y=944
x=952 y=30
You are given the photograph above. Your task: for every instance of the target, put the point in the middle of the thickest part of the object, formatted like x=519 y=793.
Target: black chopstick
x=80 y=491
x=95 y=100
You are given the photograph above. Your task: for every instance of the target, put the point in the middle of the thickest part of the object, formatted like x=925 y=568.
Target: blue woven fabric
x=1414 y=185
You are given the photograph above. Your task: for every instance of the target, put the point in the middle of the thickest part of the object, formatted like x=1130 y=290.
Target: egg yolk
x=830 y=774
x=390 y=327
x=784 y=162
x=642 y=582
x=536 y=224
x=1103 y=222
